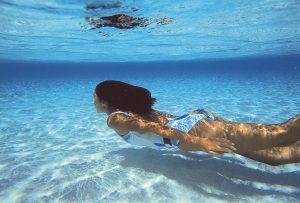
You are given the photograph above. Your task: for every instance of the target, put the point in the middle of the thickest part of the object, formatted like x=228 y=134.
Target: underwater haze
x=239 y=59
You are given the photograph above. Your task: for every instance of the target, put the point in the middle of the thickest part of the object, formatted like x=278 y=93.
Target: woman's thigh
x=276 y=155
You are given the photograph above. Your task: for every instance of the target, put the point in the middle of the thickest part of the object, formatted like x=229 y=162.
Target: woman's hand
x=211 y=145
x=217 y=146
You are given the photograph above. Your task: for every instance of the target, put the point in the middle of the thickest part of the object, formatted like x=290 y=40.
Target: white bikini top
x=183 y=123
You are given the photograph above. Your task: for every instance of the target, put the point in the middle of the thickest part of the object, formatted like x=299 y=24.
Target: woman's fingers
x=223 y=145
x=228 y=149
x=225 y=150
x=226 y=142
x=215 y=153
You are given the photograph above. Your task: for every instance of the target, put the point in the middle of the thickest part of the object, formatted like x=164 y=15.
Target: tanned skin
x=155 y=123
x=274 y=144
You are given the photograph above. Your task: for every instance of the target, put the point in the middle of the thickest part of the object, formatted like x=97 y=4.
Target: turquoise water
x=55 y=148
x=239 y=59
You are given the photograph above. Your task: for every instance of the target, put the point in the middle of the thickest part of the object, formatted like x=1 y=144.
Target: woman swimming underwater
x=130 y=114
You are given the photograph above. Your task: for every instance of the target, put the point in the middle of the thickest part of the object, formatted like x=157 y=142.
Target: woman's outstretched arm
x=211 y=145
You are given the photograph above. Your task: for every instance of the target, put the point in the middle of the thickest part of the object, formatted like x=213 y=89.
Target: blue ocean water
x=56 y=148
x=239 y=59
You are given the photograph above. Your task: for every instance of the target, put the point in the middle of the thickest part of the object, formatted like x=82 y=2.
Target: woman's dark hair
x=125 y=97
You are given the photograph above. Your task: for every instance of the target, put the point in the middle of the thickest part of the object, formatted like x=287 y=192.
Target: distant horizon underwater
x=239 y=59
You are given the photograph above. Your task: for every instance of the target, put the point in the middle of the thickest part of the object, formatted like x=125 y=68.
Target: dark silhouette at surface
x=122 y=21
x=93 y=6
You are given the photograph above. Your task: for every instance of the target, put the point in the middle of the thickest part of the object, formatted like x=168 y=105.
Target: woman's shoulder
x=116 y=116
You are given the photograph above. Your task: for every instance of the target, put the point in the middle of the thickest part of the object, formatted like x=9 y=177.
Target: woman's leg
x=249 y=137
x=277 y=155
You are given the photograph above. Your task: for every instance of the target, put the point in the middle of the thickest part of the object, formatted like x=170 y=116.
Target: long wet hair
x=125 y=97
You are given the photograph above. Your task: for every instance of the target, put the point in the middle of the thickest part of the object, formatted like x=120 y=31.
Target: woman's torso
x=184 y=123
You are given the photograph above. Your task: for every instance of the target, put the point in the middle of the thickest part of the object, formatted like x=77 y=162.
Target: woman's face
x=100 y=105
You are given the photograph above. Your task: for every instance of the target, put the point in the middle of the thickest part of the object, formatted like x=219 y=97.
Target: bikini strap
x=119 y=112
x=207 y=114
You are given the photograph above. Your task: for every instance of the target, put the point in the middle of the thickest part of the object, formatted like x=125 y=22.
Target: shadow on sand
x=225 y=174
